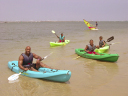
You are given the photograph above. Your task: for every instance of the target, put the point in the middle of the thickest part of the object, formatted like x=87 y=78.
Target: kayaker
x=61 y=38
x=90 y=48
x=25 y=61
x=101 y=42
x=96 y=25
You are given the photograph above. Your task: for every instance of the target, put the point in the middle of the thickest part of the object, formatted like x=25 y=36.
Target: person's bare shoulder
x=21 y=57
x=20 y=61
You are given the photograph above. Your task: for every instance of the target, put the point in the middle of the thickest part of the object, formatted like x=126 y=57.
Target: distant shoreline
x=57 y=21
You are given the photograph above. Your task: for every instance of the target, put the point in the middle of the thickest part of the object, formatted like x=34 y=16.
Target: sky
x=63 y=10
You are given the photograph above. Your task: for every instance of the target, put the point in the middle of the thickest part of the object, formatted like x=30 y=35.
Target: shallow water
x=89 y=77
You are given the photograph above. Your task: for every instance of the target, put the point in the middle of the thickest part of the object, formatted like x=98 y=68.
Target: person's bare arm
x=46 y=66
x=37 y=57
x=42 y=64
x=97 y=47
x=20 y=62
x=86 y=49
x=104 y=44
x=64 y=38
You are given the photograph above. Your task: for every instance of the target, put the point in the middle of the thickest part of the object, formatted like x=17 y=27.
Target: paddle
x=79 y=56
x=54 y=32
x=47 y=56
x=114 y=43
x=108 y=40
x=16 y=76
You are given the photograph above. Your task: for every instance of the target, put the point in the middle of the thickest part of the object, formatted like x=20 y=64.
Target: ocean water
x=89 y=77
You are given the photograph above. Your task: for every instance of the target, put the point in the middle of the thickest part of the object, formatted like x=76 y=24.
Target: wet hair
x=100 y=37
x=90 y=40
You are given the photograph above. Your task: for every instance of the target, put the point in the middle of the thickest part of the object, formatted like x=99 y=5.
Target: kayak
x=101 y=57
x=44 y=73
x=102 y=49
x=93 y=29
x=59 y=43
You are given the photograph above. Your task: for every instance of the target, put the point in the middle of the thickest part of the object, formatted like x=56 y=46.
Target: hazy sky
x=63 y=10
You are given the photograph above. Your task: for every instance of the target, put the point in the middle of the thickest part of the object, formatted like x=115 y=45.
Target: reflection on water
x=95 y=74
x=29 y=86
x=55 y=89
x=38 y=87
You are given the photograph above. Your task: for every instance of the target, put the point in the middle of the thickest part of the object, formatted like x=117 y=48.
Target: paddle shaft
x=56 y=34
x=47 y=56
x=81 y=55
x=21 y=72
x=114 y=43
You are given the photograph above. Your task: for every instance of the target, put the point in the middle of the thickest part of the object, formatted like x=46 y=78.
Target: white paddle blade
x=53 y=31
x=14 y=77
x=13 y=81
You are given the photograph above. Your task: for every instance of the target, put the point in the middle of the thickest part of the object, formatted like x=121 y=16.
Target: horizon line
x=56 y=21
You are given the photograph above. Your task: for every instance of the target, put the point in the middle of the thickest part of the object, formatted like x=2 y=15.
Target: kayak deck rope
x=54 y=71
x=68 y=73
x=13 y=66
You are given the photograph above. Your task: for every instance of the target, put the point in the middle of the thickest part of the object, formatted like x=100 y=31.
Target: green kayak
x=59 y=43
x=102 y=49
x=102 y=57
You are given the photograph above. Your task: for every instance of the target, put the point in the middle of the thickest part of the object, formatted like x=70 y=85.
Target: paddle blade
x=14 y=77
x=77 y=57
x=53 y=31
x=110 y=39
x=13 y=81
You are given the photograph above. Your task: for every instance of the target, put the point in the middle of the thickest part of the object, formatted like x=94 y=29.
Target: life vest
x=61 y=38
x=27 y=60
x=101 y=43
x=90 y=48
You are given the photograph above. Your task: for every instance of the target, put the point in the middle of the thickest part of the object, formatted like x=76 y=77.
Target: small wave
x=6 y=39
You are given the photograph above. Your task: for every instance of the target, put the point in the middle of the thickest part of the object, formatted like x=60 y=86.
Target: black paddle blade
x=110 y=39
